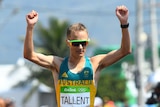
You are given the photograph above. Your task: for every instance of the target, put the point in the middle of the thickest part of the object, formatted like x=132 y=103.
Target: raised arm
x=122 y=14
x=104 y=60
x=29 y=53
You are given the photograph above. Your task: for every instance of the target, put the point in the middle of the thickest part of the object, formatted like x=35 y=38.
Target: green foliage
x=112 y=87
x=44 y=76
x=51 y=40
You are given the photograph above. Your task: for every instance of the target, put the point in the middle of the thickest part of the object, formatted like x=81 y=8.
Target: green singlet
x=75 y=90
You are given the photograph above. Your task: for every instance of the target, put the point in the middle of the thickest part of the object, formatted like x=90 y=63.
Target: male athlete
x=76 y=76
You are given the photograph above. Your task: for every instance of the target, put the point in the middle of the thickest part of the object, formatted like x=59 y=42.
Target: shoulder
x=97 y=58
x=97 y=61
x=56 y=62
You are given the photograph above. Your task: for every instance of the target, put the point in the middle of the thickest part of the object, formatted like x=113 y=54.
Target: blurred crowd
x=155 y=97
x=100 y=103
x=6 y=102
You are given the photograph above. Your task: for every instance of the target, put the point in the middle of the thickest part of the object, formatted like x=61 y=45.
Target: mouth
x=80 y=51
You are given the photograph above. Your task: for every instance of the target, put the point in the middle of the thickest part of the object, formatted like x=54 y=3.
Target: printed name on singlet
x=75 y=82
x=75 y=95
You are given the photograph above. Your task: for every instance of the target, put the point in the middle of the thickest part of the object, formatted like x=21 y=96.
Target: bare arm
x=104 y=60
x=29 y=53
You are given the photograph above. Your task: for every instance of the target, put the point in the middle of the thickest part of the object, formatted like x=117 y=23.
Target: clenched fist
x=32 y=18
x=122 y=14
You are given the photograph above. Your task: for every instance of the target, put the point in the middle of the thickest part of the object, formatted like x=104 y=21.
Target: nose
x=80 y=46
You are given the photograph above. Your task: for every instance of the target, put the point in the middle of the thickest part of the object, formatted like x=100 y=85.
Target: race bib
x=74 y=96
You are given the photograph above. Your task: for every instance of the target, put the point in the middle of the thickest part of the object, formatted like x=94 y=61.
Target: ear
x=68 y=44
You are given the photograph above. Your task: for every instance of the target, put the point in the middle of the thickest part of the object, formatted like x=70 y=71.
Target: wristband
x=125 y=26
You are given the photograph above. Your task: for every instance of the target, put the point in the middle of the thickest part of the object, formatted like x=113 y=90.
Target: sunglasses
x=76 y=43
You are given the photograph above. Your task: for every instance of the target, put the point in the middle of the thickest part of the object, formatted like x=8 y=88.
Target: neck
x=75 y=60
x=76 y=63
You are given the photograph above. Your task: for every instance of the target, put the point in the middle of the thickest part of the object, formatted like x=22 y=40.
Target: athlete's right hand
x=32 y=18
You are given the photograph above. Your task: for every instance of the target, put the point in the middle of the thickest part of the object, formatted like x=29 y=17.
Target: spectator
x=2 y=102
x=9 y=103
x=98 y=102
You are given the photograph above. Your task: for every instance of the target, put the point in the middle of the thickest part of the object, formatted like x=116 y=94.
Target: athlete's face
x=78 y=42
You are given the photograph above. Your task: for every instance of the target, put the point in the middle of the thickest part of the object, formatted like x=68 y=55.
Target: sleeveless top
x=75 y=89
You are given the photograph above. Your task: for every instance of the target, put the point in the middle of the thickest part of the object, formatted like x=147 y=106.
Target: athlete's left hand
x=122 y=14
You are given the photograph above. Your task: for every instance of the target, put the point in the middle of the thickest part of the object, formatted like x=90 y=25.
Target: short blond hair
x=74 y=28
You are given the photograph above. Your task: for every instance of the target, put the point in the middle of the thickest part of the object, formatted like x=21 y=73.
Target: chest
x=82 y=71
